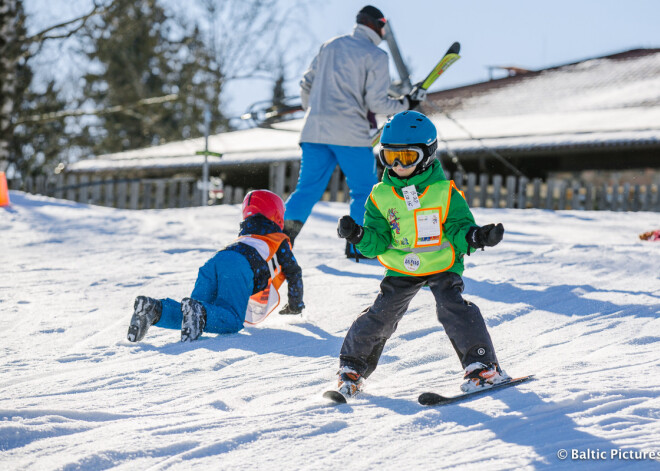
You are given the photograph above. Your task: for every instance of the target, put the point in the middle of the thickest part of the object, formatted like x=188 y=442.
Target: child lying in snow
x=237 y=285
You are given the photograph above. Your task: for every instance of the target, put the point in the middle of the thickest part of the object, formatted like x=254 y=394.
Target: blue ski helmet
x=411 y=129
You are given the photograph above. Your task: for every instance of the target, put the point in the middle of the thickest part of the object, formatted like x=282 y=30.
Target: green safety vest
x=419 y=246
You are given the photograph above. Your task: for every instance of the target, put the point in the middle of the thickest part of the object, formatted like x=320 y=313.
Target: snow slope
x=571 y=296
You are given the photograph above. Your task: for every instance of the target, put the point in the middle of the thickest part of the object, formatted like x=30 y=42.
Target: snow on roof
x=257 y=145
x=614 y=100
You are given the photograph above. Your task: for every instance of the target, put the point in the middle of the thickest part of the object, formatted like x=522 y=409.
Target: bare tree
x=16 y=49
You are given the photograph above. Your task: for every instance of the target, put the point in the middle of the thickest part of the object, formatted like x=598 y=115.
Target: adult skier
x=348 y=79
x=419 y=226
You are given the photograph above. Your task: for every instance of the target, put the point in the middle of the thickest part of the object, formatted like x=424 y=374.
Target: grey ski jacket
x=348 y=77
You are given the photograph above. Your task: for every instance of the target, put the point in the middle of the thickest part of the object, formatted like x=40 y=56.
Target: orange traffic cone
x=4 y=191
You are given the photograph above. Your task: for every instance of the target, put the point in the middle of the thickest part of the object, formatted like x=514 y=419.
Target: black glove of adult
x=488 y=235
x=289 y=309
x=348 y=229
x=412 y=103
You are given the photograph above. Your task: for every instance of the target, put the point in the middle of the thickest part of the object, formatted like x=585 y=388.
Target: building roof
x=606 y=102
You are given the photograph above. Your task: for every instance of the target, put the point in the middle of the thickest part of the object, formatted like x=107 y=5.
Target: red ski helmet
x=266 y=203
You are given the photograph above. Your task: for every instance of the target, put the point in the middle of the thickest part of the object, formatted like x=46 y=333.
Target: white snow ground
x=573 y=297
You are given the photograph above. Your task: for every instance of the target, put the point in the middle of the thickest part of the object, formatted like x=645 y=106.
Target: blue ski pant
x=224 y=286
x=318 y=163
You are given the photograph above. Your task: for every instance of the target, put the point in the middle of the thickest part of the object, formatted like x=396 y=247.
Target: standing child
x=419 y=226
x=238 y=285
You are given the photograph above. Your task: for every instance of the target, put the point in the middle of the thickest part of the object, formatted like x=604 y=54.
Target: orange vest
x=265 y=301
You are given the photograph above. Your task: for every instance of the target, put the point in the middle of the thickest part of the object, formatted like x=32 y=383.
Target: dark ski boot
x=194 y=319
x=146 y=312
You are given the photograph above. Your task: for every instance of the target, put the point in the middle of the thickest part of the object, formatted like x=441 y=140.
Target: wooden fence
x=481 y=190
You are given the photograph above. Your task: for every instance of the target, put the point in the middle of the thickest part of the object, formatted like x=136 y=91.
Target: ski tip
x=455 y=48
x=430 y=399
x=335 y=396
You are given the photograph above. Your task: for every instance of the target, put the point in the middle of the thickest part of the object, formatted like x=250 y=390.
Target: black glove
x=416 y=96
x=289 y=309
x=412 y=103
x=488 y=235
x=348 y=229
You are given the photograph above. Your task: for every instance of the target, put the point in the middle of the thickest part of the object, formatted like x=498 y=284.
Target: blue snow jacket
x=261 y=225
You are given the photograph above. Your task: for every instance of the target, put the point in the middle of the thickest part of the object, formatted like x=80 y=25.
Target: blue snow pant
x=224 y=286
x=318 y=163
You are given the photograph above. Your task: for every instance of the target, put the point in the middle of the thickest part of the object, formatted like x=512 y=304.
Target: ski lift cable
x=451 y=154
x=492 y=152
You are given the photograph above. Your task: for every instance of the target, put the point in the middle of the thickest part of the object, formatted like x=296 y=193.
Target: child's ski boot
x=350 y=383
x=481 y=376
x=194 y=319
x=146 y=312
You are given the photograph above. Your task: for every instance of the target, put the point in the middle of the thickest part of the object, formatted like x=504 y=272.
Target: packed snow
x=571 y=296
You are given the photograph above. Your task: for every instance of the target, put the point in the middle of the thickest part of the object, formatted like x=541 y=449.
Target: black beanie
x=371 y=13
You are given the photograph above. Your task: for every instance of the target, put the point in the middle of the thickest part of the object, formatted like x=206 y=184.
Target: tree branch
x=40 y=118
x=44 y=35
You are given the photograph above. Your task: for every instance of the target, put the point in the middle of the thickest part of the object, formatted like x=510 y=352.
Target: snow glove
x=412 y=103
x=416 y=96
x=348 y=229
x=488 y=235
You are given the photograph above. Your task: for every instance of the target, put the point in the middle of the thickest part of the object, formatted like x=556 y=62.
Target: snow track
x=572 y=297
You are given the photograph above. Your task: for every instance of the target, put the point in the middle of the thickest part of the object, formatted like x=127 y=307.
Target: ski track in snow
x=570 y=296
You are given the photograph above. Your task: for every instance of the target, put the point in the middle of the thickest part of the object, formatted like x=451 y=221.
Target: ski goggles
x=406 y=157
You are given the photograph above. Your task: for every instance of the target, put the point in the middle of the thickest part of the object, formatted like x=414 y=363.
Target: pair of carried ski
x=419 y=91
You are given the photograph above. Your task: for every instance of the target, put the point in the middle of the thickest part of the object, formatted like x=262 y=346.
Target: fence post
x=345 y=189
x=96 y=191
x=277 y=177
x=135 y=195
x=522 y=192
x=483 y=190
x=334 y=184
x=146 y=194
x=510 y=191
x=550 y=194
x=603 y=202
x=294 y=171
x=497 y=190
x=536 y=194
x=122 y=190
x=646 y=199
x=28 y=185
x=59 y=186
x=469 y=193
x=626 y=197
x=71 y=192
x=160 y=194
x=589 y=197
x=561 y=202
x=239 y=194
x=41 y=185
x=171 y=193
x=227 y=194
x=575 y=196
x=636 y=202
x=458 y=179
x=83 y=194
